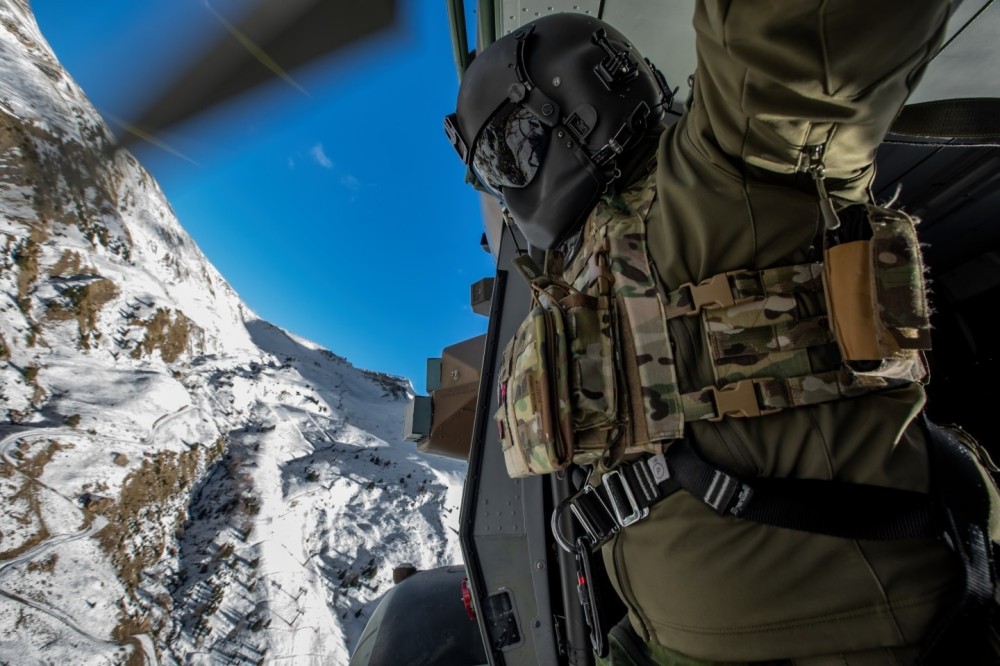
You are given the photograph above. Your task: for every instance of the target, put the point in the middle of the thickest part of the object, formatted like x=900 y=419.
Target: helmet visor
x=510 y=148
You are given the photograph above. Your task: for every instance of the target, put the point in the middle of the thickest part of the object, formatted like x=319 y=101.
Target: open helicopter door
x=525 y=594
x=525 y=587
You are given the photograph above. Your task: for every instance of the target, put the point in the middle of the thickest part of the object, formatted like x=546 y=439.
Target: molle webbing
x=616 y=230
x=757 y=397
x=644 y=333
x=760 y=342
x=781 y=347
x=762 y=368
x=735 y=287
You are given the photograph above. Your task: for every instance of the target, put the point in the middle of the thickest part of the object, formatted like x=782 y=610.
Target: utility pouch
x=593 y=376
x=558 y=387
x=877 y=297
x=594 y=367
x=592 y=356
x=614 y=263
x=533 y=417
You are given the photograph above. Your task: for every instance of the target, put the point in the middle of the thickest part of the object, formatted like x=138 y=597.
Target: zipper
x=817 y=169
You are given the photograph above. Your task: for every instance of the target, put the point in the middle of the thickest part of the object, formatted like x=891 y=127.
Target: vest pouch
x=877 y=299
x=533 y=417
x=593 y=380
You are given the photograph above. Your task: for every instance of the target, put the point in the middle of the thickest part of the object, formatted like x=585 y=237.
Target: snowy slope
x=180 y=481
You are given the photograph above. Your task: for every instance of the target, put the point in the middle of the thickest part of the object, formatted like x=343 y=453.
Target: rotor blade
x=273 y=39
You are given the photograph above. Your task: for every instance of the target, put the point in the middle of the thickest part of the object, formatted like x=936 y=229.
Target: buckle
x=738 y=400
x=594 y=532
x=714 y=292
x=581 y=505
x=635 y=513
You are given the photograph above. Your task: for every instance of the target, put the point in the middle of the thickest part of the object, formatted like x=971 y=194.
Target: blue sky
x=341 y=214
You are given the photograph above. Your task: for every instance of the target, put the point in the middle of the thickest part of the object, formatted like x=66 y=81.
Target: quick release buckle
x=623 y=504
x=623 y=498
x=738 y=400
x=592 y=498
x=714 y=292
x=592 y=514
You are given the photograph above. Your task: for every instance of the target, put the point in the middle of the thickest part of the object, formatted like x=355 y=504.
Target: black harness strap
x=847 y=510
x=834 y=508
x=956 y=510
x=975 y=119
x=962 y=490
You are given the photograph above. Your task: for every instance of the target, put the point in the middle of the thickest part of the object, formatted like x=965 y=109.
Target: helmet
x=551 y=115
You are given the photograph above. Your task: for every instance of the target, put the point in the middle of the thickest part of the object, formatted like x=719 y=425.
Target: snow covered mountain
x=180 y=481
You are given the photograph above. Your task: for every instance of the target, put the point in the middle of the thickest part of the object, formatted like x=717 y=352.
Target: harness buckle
x=738 y=400
x=594 y=531
x=714 y=292
x=592 y=514
x=622 y=499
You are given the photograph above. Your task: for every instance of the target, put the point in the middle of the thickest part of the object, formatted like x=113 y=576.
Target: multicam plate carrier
x=590 y=376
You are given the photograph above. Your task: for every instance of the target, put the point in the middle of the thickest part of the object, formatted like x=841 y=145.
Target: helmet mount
x=550 y=116
x=618 y=67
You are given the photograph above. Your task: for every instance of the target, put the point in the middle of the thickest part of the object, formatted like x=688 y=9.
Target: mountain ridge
x=182 y=482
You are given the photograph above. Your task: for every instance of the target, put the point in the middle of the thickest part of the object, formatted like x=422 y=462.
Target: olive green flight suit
x=772 y=79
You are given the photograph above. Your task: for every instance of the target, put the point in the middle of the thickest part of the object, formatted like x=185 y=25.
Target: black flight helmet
x=551 y=115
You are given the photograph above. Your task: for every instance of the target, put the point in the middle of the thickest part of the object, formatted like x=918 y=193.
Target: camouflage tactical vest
x=591 y=375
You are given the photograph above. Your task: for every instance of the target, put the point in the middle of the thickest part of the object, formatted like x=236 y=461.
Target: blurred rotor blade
x=271 y=40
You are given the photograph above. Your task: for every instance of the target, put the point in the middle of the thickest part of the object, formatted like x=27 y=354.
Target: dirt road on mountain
x=93 y=525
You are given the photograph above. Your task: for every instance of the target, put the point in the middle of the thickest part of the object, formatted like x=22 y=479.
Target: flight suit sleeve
x=777 y=76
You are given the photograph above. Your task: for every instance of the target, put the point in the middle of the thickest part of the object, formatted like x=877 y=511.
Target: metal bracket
x=635 y=513
x=592 y=532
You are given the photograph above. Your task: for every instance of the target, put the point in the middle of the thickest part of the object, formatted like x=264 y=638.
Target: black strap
x=834 y=508
x=972 y=121
x=956 y=481
x=848 y=510
x=957 y=510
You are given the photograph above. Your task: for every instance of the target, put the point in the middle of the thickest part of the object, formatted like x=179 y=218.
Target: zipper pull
x=817 y=170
